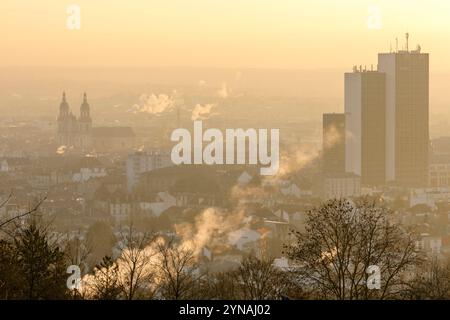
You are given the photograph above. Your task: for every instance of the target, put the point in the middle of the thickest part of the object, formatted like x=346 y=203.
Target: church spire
x=85 y=108
x=64 y=106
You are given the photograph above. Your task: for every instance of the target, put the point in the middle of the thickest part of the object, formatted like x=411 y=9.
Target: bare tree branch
x=29 y=212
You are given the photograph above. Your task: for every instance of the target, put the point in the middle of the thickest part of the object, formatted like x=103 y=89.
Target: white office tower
x=365 y=125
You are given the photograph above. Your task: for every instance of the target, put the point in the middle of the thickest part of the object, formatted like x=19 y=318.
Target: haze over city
x=292 y=48
x=224 y=150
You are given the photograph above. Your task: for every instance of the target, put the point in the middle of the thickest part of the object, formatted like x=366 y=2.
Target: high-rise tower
x=407 y=113
x=366 y=125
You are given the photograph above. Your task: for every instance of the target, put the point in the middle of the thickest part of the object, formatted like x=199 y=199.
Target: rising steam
x=202 y=112
x=223 y=92
x=156 y=103
x=209 y=226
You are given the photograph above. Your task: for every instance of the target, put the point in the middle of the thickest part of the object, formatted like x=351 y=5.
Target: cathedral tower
x=85 y=123
x=73 y=132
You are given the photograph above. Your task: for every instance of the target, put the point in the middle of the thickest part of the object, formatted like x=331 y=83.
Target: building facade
x=333 y=143
x=365 y=112
x=439 y=171
x=407 y=128
x=78 y=133
x=73 y=131
x=344 y=185
x=140 y=162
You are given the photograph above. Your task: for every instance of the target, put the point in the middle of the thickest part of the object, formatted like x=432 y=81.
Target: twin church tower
x=73 y=131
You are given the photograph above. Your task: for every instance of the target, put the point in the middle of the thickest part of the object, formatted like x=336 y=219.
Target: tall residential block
x=365 y=112
x=407 y=113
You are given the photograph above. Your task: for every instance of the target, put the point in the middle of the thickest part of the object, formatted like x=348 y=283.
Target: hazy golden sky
x=219 y=33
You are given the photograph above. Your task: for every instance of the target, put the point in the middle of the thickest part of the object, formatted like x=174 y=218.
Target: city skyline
x=386 y=112
x=217 y=150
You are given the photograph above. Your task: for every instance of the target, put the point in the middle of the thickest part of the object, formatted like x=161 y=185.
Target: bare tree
x=431 y=281
x=341 y=240
x=104 y=284
x=176 y=270
x=31 y=211
x=258 y=279
x=77 y=252
x=253 y=279
x=135 y=263
x=222 y=286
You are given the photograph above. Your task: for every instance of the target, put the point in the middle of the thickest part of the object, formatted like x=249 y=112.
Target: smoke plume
x=223 y=92
x=155 y=103
x=202 y=112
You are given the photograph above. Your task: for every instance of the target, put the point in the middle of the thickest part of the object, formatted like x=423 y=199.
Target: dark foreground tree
x=10 y=280
x=40 y=265
x=343 y=247
x=100 y=240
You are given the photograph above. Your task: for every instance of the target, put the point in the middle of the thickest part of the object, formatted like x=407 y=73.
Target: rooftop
x=113 y=132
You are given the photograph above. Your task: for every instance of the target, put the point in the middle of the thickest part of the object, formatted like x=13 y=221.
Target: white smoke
x=224 y=91
x=202 y=112
x=61 y=150
x=146 y=270
x=208 y=226
x=155 y=103
x=332 y=136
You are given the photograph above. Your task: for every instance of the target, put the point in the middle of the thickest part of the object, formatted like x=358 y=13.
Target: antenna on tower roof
x=407 y=40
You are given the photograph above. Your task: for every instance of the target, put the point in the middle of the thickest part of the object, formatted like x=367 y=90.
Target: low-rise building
x=340 y=185
x=140 y=162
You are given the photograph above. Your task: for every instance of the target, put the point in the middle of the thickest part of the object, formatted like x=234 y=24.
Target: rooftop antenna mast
x=396 y=44
x=407 y=40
